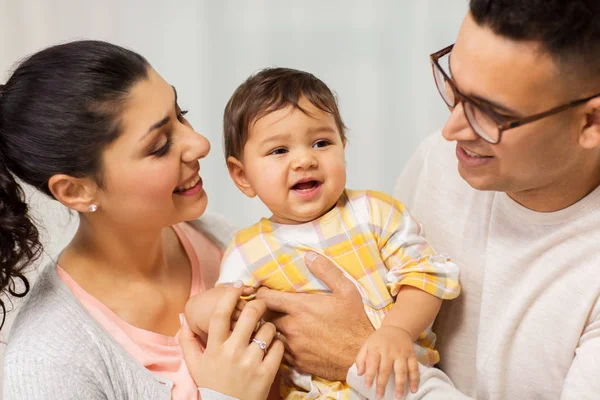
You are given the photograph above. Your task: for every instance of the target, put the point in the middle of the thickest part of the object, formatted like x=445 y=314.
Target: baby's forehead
x=292 y=121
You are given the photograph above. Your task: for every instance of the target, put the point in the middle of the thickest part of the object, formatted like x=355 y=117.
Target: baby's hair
x=269 y=90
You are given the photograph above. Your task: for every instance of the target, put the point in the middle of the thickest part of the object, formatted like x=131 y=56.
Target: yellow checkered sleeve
x=408 y=257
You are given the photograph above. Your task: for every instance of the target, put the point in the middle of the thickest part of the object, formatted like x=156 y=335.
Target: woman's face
x=150 y=176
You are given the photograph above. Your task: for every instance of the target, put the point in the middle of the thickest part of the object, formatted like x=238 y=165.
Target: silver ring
x=261 y=344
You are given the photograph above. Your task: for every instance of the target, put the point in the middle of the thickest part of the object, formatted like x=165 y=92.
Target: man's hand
x=323 y=332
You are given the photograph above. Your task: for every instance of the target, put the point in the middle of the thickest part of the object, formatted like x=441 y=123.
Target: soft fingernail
x=311 y=256
x=237 y=284
x=181 y=319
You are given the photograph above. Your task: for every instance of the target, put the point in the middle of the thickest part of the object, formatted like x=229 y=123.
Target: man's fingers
x=328 y=272
x=281 y=302
x=289 y=359
x=281 y=337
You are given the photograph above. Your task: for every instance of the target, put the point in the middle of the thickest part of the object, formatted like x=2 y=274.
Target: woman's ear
x=76 y=193
x=238 y=174
x=590 y=134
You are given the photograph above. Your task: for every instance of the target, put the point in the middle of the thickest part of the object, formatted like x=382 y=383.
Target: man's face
x=520 y=81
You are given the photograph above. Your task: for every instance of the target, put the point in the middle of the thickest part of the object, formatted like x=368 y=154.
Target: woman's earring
x=93 y=207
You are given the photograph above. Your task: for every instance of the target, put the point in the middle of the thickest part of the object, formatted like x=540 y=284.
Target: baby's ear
x=238 y=174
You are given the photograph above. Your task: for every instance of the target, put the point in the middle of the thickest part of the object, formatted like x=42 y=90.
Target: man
x=512 y=195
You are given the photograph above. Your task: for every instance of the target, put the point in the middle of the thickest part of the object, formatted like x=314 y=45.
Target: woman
x=95 y=127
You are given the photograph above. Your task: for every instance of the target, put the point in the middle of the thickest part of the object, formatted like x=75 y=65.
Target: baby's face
x=295 y=163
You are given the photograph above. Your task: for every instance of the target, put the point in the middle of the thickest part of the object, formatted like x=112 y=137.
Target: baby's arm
x=413 y=312
x=419 y=280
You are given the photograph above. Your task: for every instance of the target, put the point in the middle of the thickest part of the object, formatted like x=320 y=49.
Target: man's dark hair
x=568 y=30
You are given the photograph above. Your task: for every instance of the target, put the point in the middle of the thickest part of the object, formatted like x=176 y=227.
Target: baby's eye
x=321 y=143
x=278 y=151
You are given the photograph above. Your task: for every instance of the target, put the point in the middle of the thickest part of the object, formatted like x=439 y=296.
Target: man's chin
x=481 y=182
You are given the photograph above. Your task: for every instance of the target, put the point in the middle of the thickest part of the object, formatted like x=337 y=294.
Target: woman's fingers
x=220 y=321
x=247 y=322
x=240 y=304
x=273 y=358
x=188 y=341
x=262 y=340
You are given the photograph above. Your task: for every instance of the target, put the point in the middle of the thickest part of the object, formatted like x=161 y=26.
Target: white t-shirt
x=527 y=323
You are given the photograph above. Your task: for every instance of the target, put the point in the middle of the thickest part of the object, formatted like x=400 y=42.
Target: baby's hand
x=389 y=348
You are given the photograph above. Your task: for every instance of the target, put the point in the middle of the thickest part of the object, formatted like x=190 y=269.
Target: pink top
x=160 y=354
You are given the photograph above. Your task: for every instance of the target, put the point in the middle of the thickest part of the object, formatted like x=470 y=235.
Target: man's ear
x=76 y=193
x=590 y=134
x=238 y=174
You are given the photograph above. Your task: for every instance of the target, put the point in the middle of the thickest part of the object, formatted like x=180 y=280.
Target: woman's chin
x=190 y=212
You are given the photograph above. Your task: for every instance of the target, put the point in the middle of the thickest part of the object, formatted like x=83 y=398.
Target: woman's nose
x=197 y=147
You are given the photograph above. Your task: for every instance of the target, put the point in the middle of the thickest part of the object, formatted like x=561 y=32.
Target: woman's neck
x=144 y=277
x=115 y=250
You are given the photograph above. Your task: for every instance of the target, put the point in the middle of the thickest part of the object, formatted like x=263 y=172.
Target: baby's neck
x=290 y=220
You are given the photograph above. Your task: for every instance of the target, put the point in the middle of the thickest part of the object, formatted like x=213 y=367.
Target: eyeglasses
x=484 y=121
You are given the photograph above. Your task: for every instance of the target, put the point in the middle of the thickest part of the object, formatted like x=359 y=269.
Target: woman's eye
x=278 y=151
x=164 y=149
x=321 y=143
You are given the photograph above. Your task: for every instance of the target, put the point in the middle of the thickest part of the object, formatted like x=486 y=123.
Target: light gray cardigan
x=58 y=351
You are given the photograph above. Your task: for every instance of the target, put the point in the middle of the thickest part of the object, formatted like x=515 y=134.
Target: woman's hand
x=232 y=363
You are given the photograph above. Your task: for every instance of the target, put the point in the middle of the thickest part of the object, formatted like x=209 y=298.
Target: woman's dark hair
x=568 y=30
x=59 y=109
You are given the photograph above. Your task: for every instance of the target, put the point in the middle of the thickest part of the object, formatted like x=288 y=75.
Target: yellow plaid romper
x=373 y=239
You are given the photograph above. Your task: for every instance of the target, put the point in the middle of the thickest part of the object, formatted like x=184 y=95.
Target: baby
x=284 y=142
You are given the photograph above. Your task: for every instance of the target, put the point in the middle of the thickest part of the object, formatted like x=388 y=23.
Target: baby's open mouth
x=306 y=185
